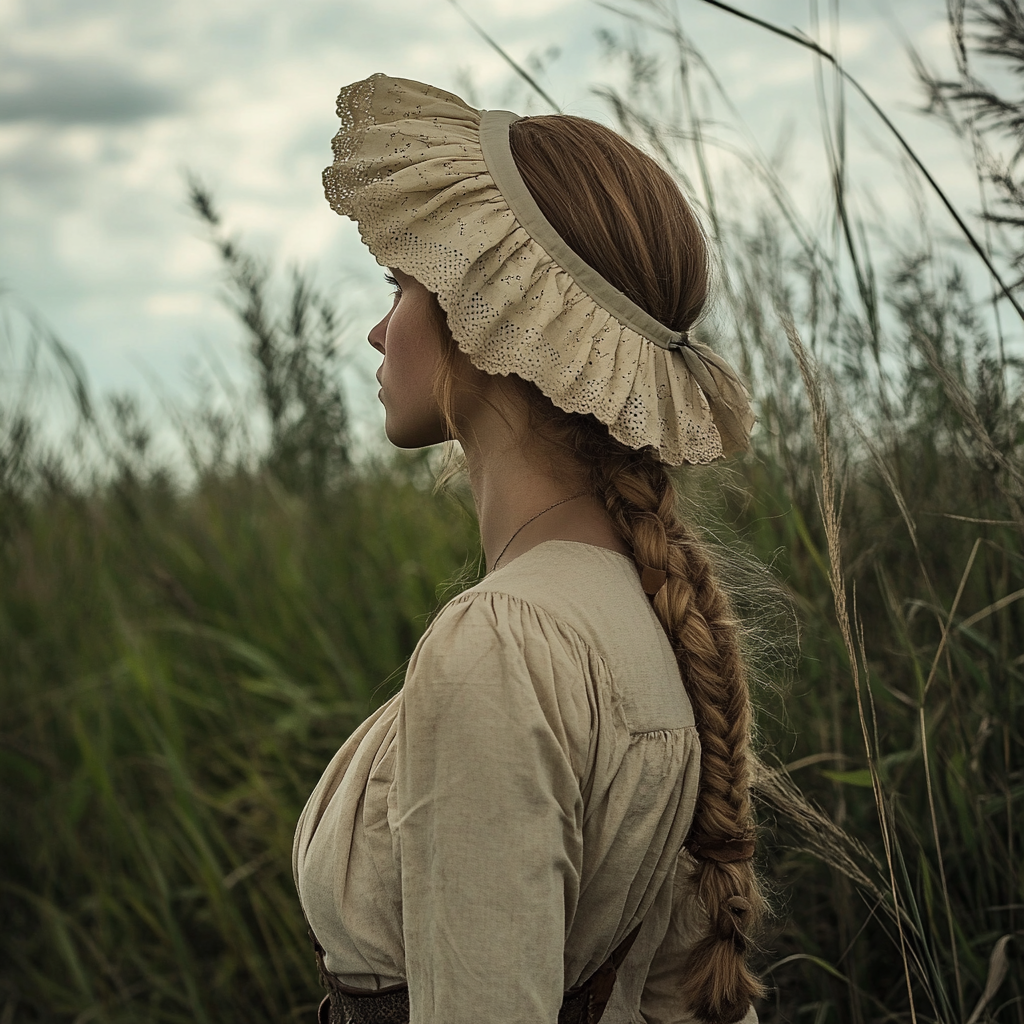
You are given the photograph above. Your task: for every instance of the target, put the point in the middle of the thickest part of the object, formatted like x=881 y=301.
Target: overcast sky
x=105 y=105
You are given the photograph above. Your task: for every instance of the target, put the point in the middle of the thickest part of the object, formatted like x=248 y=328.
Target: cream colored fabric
x=492 y=832
x=410 y=169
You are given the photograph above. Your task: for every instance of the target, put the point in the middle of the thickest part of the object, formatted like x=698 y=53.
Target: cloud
x=78 y=92
x=96 y=231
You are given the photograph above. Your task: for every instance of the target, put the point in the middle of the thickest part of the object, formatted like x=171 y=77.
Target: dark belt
x=583 y=1004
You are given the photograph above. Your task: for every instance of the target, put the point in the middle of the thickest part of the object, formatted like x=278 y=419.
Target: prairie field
x=185 y=643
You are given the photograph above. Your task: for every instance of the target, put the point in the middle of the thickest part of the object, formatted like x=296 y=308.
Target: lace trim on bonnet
x=416 y=168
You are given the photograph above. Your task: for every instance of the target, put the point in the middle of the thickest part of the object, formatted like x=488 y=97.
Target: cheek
x=411 y=358
x=414 y=334
x=406 y=353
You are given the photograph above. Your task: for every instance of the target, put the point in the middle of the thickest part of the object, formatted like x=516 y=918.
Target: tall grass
x=178 y=665
x=177 y=671
x=180 y=660
x=888 y=481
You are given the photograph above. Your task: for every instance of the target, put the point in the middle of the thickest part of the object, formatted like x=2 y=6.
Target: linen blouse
x=493 y=832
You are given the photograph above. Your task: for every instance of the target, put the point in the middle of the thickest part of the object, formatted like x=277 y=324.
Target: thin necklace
x=561 y=501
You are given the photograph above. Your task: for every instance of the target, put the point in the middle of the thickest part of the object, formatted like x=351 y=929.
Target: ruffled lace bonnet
x=434 y=189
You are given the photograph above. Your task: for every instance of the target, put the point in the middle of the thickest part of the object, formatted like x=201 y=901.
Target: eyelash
x=394 y=284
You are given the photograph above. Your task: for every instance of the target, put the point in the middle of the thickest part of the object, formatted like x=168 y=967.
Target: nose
x=378 y=334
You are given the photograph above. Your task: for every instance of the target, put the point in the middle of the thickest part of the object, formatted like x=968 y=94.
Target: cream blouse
x=492 y=832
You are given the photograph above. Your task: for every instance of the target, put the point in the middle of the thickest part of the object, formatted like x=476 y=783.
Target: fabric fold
x=410 y=169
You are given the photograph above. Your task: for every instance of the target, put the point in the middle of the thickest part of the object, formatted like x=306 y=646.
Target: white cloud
x=94 y=218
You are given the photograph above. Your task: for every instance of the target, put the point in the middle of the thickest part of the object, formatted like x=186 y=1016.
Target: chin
x=412 y=446
x=410 y=437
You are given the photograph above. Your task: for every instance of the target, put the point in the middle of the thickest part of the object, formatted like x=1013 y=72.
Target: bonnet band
x=435 y=191
x=494 y=126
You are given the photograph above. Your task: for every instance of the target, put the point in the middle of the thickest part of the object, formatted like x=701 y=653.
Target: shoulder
x=553 y=575
x=491 y=637
x=585 y=589
x=565 y=596
x=497 y=679
x=500 y=609
x=561 y=600
x=563 y=587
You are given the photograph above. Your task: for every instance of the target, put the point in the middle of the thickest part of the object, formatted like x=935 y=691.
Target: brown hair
x=626 y=217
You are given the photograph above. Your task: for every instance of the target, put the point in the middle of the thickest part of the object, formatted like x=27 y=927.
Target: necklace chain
x=534 y=518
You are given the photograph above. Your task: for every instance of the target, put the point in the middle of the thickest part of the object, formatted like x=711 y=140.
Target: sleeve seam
x=471 y=595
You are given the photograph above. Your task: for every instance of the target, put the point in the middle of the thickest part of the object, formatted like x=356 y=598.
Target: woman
x=552 y=820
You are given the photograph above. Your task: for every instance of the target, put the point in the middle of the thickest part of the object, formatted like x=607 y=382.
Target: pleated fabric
x=410 y=169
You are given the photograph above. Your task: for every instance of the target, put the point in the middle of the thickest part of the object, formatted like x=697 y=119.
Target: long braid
x=640 y=498
x=717 y=984
x=626 y=218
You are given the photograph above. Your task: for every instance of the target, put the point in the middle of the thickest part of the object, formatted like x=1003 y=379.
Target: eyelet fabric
x=410 y=168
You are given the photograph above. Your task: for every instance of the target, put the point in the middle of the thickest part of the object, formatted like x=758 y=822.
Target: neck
x=518 y=508
x=511 y=484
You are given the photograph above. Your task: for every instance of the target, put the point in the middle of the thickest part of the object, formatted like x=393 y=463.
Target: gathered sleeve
x=488 y=812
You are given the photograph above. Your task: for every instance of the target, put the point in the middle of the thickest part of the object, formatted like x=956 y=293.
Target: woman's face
x=410 y=341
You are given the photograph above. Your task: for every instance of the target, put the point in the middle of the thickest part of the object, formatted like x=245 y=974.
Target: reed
x=886 y=488
x=181 y=655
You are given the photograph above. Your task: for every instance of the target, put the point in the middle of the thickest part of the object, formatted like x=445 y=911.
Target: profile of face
x=410 y=341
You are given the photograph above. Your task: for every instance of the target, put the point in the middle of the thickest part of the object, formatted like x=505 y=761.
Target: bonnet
x=434 y=189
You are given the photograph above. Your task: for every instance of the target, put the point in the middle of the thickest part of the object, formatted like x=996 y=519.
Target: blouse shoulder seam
x=468 y=596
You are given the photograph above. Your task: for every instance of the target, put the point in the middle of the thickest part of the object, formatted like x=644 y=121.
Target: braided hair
x=626 y=217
